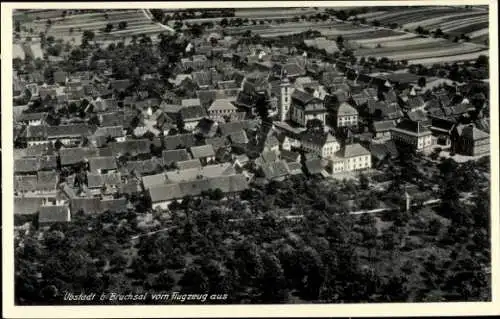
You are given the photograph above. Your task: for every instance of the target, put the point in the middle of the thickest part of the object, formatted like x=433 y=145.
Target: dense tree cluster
x=246 y=247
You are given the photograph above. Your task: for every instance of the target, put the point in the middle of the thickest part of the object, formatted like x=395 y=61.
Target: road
x=150 y=17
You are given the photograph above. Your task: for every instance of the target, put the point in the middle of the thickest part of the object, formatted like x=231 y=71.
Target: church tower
x=285 y=99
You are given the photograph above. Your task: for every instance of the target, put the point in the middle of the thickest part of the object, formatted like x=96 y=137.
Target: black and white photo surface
x=243 y=156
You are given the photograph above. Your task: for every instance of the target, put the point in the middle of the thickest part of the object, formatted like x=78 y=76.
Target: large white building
x=412 y=133
x=353 y=157
x=347 y=115
x=324 y=145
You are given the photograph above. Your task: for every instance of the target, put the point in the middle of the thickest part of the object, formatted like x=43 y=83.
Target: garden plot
x=461 y=49
x=436 y=22
x=371 y=14
x=372 y=42
x=387 y=51
x=449 y=58
x=371 y=34
x=469 y=27
x=449 y=26
x=419 y=16
x=392 y=15
x=411 y=42
x=479 y=33
x=263 y=12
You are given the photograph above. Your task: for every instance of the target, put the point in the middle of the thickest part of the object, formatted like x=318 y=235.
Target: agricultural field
x=470 y=24
x=455 y=22
x=70 y=27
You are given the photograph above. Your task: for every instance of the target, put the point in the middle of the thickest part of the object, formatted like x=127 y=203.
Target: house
x=413 y=134
x=190 y=116
x=352 y=157
x=102 y=164
x=240 y=160
x=189 y=164
x=76 y=155
x=179 y=141
x=469 y=140
x=382 y=129
x=162 y=195
x=442 y=129
x=314 y=166
x=239 y=139
x=36 y=135
x=414 y=103
x=190 y=102
x=346 y=115
x=31 y=119
x=290 y=156
x=144 y=167
x=69 y=134
x=114 y=133
x=171 y=157
x=50 y=214
x=383 y=151
x=218 y=143
x=220 y=108
x=132 y=147
x=277 y=170
x=305 y=107
x=26 y=165
x=27 y=205
x=205 y=153
x=322 y=144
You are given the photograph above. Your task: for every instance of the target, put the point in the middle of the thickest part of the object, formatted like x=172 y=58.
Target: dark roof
x=314 y=166
x=217 y=142
x=289 y=156
x=179 y=140
x=133 y=147
x=174 y=156
x=26 y=165
x=102 y=162
x=275 y=169
x=411 y=127
x=202 y=151
x=417 y=115
x=53 y=214
x=188 y=164
x=227 y=184
x=192 y=113
x=27 y=205
x=69 y=130
x=116 y=205
x=472 y=133
x=383 y=126
x=89 y=205
x=70 y=156
x=239 y=137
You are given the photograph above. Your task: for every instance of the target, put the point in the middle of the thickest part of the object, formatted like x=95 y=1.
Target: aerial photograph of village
x=287 y=155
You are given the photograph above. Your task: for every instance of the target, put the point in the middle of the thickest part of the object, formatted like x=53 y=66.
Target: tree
x=482 y=61
x=17 y=27
x=122 y=25
x=108 y=28
x=422 y=81
x=224 y=22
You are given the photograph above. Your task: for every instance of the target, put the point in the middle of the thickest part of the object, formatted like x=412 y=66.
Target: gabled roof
x=472 y=133
x=192 y=113
x=413 y=128
x=239 y=137
x=174 y=156
x=189 y=164
x=102 y=162
x=53 y=214
x=314 y=166
x=180 y=140
x=353 y=150
x=70 y=156
x=222 y=104
x=27 y=205
x=132 y=146
x=383 y=126
x=275 y=169
x=202 y=151
x=345 y=109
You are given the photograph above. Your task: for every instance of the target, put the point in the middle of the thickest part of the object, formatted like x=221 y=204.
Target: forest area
x=208 y=245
